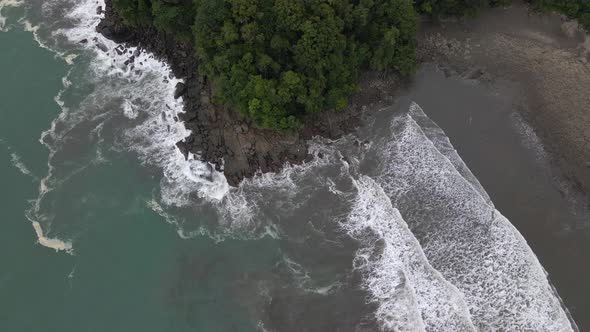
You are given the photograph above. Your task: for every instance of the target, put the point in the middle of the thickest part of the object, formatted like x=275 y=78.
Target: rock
x=180 y=90
x=192 y=93
x=213 y=128
x=84 y=41
x=99 y=10
x=102 y=47
x=184 y=148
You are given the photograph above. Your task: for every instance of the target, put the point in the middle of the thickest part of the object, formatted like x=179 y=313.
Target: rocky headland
x=545 y=54
x=223 y=137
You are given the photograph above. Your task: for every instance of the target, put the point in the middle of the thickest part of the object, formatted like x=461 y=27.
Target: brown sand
x=546 y=55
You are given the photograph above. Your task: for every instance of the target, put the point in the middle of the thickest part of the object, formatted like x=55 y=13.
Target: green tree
x=277 y=60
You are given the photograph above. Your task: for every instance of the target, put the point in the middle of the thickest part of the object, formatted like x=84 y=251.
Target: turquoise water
x=107 y=227
x=130 y=271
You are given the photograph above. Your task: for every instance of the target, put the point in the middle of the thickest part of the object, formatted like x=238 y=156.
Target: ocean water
x=106 y=227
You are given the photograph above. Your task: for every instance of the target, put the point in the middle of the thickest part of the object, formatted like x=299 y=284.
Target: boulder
x=102 y=47
x=180 y=90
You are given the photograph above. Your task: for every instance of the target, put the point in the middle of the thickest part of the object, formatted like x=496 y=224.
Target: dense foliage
x=276 y=60
x=578 y=9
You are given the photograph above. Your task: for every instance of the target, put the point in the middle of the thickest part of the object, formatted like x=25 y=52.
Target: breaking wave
x=463 y=236
x=435 y=253
x=411 y=294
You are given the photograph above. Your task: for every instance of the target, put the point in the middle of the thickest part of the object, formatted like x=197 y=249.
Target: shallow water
x=393 y=234
x=508 y=159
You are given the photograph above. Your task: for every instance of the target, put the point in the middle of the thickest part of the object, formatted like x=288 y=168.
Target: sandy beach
x=510 y=89
x=546 y=55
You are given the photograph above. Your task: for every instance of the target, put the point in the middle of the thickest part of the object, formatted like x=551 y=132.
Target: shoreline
x=529 y=51
x=221 y=136
x=546 y=56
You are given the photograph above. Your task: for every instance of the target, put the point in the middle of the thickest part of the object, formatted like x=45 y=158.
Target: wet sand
x=510 y=89
x=547 y=56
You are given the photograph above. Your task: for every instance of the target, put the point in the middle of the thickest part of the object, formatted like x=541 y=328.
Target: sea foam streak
x=140 y=97
x=464 y=237
x=411 y=294
x=56 y=244
x=18 y=163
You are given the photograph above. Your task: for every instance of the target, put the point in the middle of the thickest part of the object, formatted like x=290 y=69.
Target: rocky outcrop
x=221 y=136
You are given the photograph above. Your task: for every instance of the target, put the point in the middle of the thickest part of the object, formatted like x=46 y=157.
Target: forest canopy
x=277 y=60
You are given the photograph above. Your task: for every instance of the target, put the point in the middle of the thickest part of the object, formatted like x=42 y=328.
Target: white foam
x=18 y=163
x=145 y=91
x=473 y=246
x=5 y=4
x=530 y=139
x=155 y=138
x=130 y=110
x=304 y=280
x=411 y=295
x=241 y=208
x=442 y=143
x=56 y=244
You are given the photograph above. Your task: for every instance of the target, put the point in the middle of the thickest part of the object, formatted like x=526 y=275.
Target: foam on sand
x=411 y=295
x=465 y=238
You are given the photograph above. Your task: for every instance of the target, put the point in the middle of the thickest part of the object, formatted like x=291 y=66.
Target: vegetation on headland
x=577 y=9
x=277 y=60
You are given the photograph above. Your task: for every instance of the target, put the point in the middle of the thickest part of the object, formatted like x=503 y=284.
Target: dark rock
x=217 y=133
x=84 y=41
x=180 y=90
x=102 y=47
x=184 y=148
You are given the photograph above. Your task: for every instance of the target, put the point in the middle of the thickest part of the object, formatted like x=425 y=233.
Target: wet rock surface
x=223 y=137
